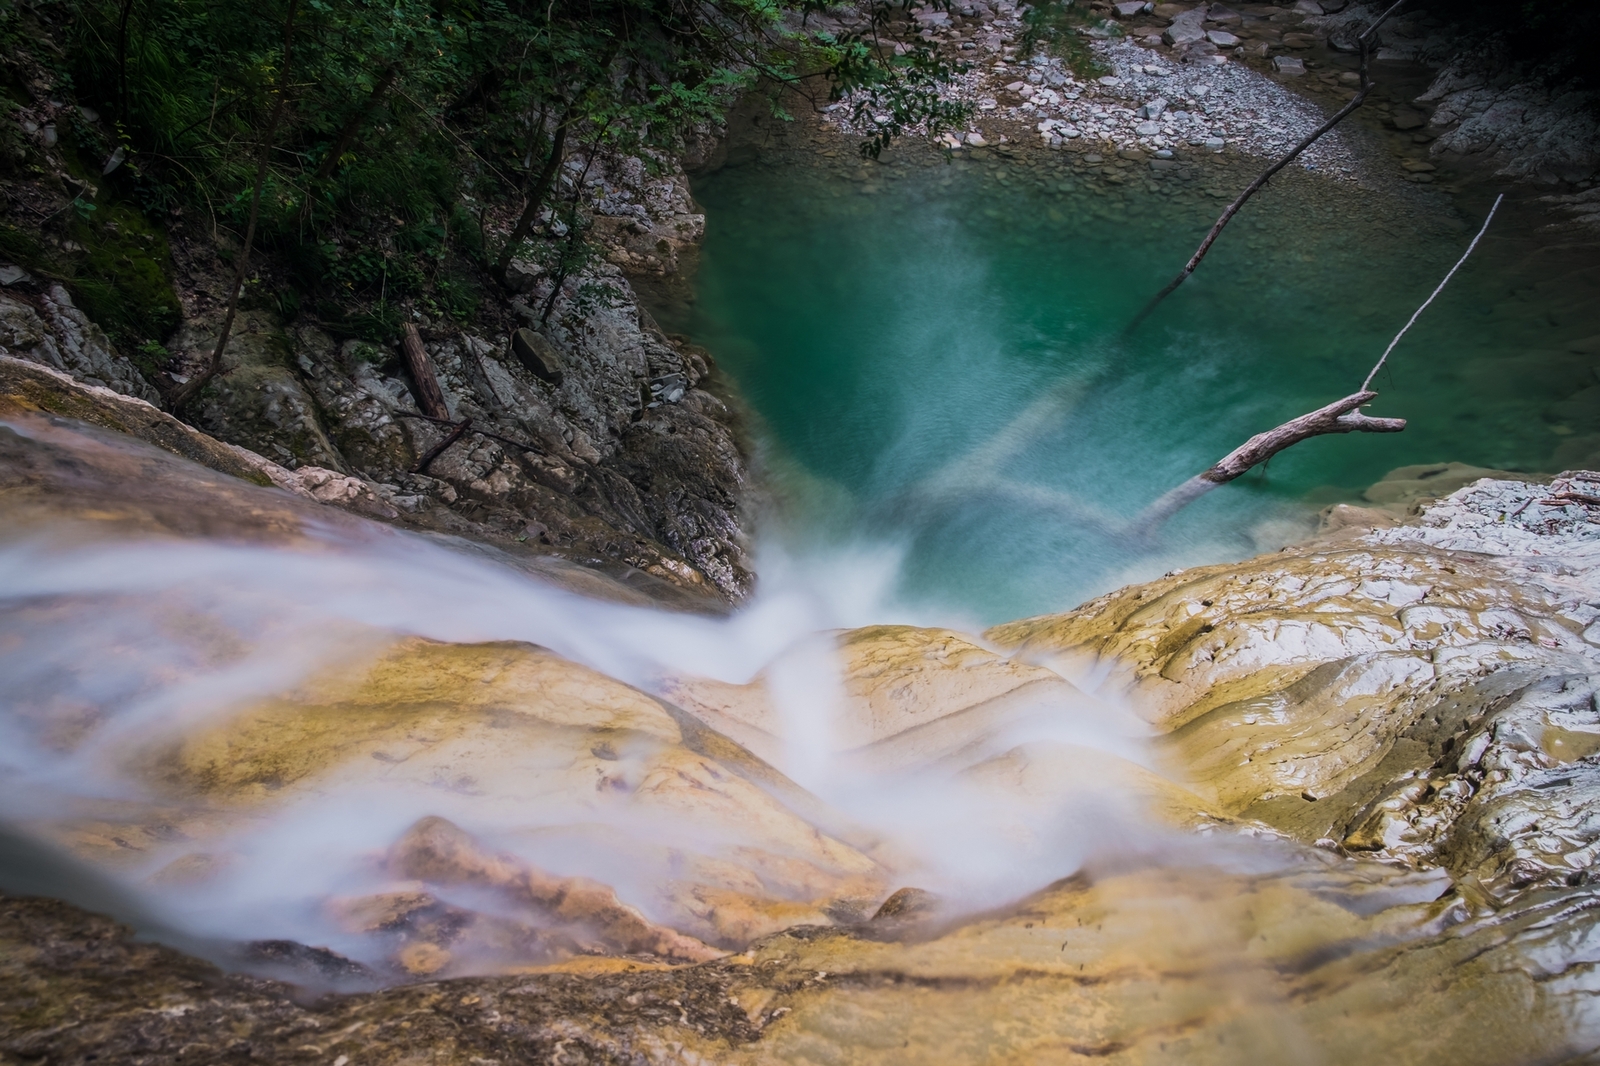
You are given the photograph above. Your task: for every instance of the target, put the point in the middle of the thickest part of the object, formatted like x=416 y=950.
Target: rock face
x=596 y=467
x=595 y=437
x=1368 y=777
x=1382 y=696
x=48 y=329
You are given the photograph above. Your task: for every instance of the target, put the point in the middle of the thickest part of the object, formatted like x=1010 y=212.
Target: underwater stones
x=1404 y=487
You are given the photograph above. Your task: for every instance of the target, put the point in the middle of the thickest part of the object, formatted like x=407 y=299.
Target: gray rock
x=1183 y=32
x=50 y=330
x=1221 y=38
x=258 y=400
x=536 y=354
x=1154 y=109
x=11 y=274
x=1129 y=8
x=1187 y=28
x=1406 y=119
x=1148 y=129
x=1308 y=7
x=1289 y=66
x=1223 y=15
x=522 y=275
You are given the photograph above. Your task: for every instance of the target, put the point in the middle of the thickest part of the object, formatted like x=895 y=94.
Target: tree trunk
x=188 y=390
x=536 y=196
x=330 y=162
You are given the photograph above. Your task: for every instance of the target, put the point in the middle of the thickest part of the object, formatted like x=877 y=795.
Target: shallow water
x=883 y=320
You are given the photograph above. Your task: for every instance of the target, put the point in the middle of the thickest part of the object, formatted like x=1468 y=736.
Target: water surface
x=884 y=320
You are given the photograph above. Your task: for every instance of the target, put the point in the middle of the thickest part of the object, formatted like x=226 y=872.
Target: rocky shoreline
x=1185 y=80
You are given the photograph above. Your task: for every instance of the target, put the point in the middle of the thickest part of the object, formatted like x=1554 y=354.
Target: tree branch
x=536 y=196
x=1340 y=416
x=1367 y=384
x=1364 y=42
x=352 y=126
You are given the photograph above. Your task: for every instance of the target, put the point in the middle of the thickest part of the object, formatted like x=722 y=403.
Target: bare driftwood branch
x=1340 y=416
x=1364 y=44
x=180 y=397
x=429 y=396
x=1367 y=384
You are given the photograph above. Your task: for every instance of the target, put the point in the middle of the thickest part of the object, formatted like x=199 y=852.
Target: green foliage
x=400 y=113
x=122 y=278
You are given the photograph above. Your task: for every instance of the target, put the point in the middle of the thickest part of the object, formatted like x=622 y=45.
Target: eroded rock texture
x=1370 y=837
x=627 y=461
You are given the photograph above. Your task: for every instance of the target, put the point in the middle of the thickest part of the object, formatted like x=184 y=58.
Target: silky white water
x=130 y=642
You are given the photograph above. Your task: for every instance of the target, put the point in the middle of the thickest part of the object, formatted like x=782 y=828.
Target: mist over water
x=111 y=649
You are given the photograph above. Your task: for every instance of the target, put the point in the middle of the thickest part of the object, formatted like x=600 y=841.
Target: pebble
x=1149 y=100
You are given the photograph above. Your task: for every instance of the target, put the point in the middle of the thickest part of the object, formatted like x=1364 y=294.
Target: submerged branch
x=1364 y=42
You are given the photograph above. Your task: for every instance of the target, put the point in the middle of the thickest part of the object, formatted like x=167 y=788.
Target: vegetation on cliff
x=384 y=152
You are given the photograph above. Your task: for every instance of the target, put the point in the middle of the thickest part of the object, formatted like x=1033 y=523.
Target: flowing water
x=953 y=420
x=887 y=320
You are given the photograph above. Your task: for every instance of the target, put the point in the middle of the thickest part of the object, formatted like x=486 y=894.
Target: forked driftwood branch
x=1341 y=416
x=1363 y=44
x=979 y=473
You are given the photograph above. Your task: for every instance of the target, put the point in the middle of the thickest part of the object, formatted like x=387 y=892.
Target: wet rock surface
x=1385 y=742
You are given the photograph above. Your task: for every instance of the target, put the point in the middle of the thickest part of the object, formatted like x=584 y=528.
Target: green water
x=884 y=319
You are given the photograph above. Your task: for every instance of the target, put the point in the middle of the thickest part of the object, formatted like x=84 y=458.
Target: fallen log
x=429 y=396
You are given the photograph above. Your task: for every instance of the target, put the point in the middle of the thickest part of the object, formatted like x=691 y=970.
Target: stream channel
x=241 y=736
x=886 y=319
